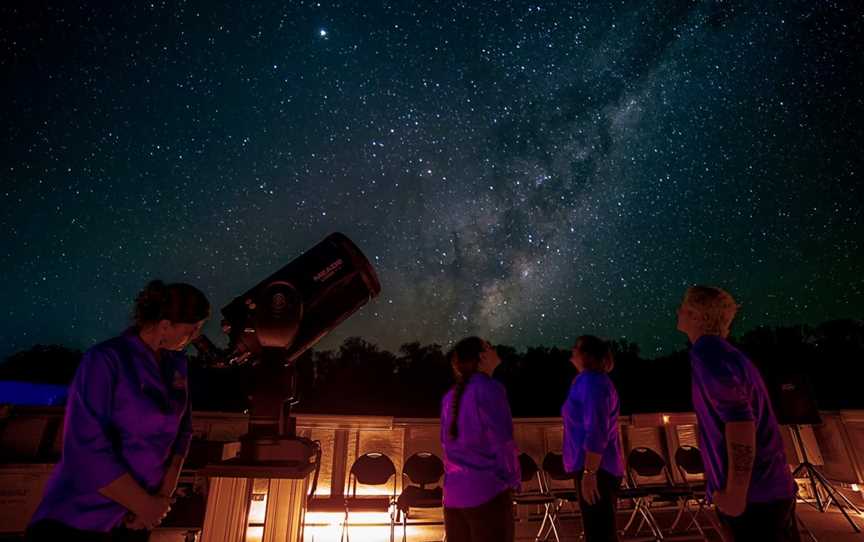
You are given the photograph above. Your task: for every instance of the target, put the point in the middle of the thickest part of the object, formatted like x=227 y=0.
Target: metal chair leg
x=682 y=505
x=343 y=535
x=554 y=530
x=684 y=508
x=636 y=504
x=807 y=530
x=542 y=528
x=550 y=516
x=694 y=520
x=652 y=522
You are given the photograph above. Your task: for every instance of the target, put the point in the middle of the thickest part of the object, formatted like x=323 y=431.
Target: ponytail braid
x=458 y=390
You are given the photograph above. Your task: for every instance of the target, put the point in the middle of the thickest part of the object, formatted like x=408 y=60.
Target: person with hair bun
x=592 y=450
x=127 y=426
x=481 y=465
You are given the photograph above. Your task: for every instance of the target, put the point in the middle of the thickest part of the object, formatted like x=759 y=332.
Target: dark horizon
x=362 y=378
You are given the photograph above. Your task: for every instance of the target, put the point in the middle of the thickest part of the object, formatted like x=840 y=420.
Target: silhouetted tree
x=51 y=364
x=540 y=382
x=361 y=378
x=423 y=379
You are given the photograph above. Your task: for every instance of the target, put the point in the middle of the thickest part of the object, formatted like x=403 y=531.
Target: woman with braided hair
x=127 y=427
x=481 y=466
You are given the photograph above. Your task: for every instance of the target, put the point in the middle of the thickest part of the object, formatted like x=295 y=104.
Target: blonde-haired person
x=747 y=475
x=481 y=467
x=127 y=426
x=592 y=450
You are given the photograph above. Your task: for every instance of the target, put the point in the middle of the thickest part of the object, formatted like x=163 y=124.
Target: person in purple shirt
x=592 y=449
x=747 y=475
x=481 y=465
x=127 y=427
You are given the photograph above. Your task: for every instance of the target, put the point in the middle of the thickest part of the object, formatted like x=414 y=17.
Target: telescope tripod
x=820 y=485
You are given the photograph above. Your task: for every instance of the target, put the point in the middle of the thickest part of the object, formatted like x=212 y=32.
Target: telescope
x=270 y=326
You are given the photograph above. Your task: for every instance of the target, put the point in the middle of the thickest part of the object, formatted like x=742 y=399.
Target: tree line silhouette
x=362 y=378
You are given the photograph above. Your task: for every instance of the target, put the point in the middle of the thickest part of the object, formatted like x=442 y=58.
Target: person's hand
x=131 y=521
x=171 y=495
x=153 y=510
x=730 y=504
x=167 y=490
x=590 y=493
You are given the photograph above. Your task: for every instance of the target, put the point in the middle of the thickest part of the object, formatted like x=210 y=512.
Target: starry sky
x=526 y=171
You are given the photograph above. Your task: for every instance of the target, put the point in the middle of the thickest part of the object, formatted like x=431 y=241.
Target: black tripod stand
x=819 y=484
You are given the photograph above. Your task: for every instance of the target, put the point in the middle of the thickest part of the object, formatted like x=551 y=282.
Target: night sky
x=523 y=171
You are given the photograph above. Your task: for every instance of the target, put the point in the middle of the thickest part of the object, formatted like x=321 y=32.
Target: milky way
x=524 y=171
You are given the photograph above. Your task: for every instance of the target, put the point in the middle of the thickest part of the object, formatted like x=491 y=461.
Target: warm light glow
x=363 y=526
x=254 y=534
x=856 y=487
x=359 y=533
x=377 y=491
x=257 y=510
x=665 y=419
x=355 y=518
x=323 y=533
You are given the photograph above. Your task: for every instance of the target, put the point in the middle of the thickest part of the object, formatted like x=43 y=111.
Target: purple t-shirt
x=126 y=413
x=482 y=461
x=727 y=388
x=590 y=416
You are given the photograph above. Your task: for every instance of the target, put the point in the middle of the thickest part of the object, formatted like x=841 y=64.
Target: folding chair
x=645 y=463
x=371 y=469
x=537 y=497
x=421 y=470
x=554 y=471
x=688 y=459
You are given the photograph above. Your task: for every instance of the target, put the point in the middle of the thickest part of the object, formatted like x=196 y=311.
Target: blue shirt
x=482 y=461
x=590 y=416
x=727 y=388
x=127 y=412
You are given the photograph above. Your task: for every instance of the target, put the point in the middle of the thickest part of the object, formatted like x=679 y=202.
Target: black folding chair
x=645 y=463
x=538 y=497
x=421 y=470
x=565 y=491
x=371 y=469
x=688 y=459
